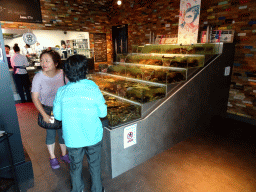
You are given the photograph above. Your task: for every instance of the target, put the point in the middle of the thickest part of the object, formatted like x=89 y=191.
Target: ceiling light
x=119 y=2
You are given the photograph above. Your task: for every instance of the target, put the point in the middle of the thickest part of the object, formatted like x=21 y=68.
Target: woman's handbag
x=43 y=124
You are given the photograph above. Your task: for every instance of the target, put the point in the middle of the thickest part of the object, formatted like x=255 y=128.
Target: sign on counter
x=130 y=135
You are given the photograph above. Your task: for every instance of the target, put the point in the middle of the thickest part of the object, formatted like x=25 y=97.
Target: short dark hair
x=54 y=54
x=75 y=68
x=7 y=46
x=16 y=48
x=63 y=42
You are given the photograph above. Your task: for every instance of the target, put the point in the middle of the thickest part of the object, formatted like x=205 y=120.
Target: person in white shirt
x=21 y=78
x=64 y=52
x=38 y=48
x=26 y=50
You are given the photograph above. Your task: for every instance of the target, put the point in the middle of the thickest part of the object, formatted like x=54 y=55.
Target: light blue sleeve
x=57 y=109
x=102 y=107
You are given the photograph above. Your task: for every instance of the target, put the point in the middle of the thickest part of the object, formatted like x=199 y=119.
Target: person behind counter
x=26 y=50
x=38 y=48
x=8 y=56
x=64 y=52
x=44 y=88
x=21 y=78
x=80 y=105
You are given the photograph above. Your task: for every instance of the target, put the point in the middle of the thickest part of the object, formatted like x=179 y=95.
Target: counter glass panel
x=121 y=111
x=134 y=90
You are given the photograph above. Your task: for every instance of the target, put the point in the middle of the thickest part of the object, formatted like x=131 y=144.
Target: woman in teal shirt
x=80 y=105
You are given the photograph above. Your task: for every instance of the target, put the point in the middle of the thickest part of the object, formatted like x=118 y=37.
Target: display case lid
x=151 y=66
x=133 y=80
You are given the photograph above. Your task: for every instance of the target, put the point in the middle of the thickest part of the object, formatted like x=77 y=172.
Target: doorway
x=120 y=40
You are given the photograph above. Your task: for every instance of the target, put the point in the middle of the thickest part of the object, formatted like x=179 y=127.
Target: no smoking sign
x=130 y=135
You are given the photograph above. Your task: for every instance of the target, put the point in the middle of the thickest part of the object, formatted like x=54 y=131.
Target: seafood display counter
x=142 y=79
x=158 y=96
x=121 y=111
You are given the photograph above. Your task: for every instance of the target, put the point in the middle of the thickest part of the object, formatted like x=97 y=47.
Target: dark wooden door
x=120 y=40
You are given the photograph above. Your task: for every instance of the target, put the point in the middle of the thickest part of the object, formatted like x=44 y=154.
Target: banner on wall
x=189 y=21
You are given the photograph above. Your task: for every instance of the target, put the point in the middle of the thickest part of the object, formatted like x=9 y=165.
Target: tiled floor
x=222 y=160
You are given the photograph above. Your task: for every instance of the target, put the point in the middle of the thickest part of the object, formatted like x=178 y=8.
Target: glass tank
x=121 y=111
x=167 y=60
x=134 y=90
x=158 y=74
x=212 y=48
x=146 y=74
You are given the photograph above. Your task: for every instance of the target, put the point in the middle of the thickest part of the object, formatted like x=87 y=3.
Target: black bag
x=104 y=121
x=56 y=125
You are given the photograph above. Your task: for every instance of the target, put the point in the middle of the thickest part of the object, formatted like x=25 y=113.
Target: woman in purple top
x=45 y=85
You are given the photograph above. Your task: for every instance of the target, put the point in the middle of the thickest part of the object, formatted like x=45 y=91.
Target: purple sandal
x=54 y=163
x=65 y=158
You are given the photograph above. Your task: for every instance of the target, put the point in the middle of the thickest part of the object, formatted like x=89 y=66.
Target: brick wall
x=145 y=16
x=238 y=15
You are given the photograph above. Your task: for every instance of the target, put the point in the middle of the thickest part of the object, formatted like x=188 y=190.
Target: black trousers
x=93 y=154
x=23 y=82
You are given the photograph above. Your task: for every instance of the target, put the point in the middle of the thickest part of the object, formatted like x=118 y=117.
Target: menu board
x=100 y=47
x=20 y=11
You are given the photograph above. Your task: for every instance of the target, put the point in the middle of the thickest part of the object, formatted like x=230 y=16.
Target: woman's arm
x=57 y=106
x=38 y=105
x=12 y=62
x=102 y=107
